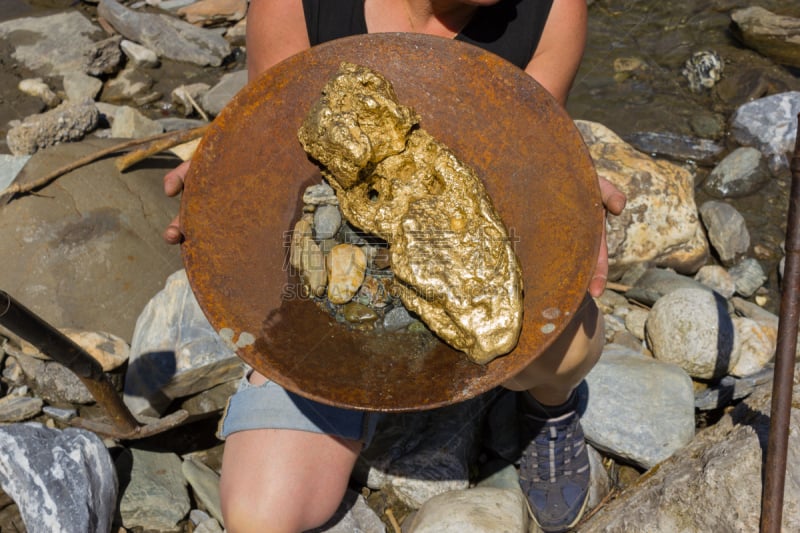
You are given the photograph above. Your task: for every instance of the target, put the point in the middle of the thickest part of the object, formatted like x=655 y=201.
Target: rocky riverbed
x=690 y=108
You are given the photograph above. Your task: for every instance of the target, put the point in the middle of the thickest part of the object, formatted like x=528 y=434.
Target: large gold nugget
x=450 y=250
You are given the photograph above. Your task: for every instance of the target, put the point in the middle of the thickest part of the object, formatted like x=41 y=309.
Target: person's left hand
x=614 y=203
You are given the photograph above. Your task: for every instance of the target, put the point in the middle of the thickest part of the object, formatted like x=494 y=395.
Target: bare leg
x=276 y=480
x=552 y=376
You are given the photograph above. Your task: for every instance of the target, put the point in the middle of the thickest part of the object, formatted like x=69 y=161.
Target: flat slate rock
x=87 y=250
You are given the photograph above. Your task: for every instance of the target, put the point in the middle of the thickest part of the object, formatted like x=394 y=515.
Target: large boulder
x=775 y=36
x=86 y=252
x=660 y=224
x=62 y=481
x=714 y=483
x=51 y=45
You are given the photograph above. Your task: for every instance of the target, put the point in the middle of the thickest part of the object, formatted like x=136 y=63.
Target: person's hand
x=173 y=185
x=614 y=203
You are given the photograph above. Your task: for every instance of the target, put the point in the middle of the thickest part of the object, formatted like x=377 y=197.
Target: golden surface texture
x=449 y=248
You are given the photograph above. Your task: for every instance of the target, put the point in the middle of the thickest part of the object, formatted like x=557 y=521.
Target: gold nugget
x=450 y=251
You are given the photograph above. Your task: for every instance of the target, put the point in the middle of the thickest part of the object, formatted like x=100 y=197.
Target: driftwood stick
x=18 y=189
x=159 y=145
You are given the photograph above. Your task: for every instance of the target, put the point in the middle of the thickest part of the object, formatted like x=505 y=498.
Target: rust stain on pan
x=244 y=194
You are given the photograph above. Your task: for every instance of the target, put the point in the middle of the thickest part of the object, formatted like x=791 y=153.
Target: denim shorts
x=270 y=406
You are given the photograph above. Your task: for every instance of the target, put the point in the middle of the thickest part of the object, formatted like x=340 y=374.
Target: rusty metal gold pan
x=243 y=196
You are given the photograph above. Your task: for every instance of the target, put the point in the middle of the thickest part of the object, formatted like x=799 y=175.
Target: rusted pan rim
x=243 y=196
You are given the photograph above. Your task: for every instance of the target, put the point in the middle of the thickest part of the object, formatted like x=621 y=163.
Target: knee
x=570 y=357
x=275 y=510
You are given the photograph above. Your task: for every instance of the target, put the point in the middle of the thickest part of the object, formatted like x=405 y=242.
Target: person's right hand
x=173 y=185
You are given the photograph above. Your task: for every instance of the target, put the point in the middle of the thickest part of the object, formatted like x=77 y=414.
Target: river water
x=630 y=80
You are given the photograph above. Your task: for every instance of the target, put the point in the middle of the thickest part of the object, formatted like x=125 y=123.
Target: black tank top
x=509 y=28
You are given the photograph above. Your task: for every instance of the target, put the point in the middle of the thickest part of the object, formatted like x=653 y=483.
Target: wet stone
x=357 y=313
x=678 y=147
x=743 y=172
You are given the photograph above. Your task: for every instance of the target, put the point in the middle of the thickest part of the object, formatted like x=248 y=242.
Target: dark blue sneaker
x=554 y=469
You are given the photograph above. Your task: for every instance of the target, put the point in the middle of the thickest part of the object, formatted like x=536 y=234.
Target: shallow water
x=660 y=37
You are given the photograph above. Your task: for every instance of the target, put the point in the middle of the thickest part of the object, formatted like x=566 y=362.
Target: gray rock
x=208 y=526
x=60 y=414
x=67 y=122
x=678 y=147
x=219 y=95
x=205 y=485
x=727 y=230
x=327 y=219
x=53 y=381
x=19 y=408
x=165 y=35
x=138 y=55
x=635 y=321
x=718 y=279
x=62 y=481
x=637 y=408
x=51 y=45
x=155 y=496
x=499 y=474
x=600 y=482
x=714 y=483
x=104 y=57
x=320 y=194
x=80 y=87
x=129 y=123
x=352 y=516
x=210 y=401
x=89 y=248
x=397 y=318
x=769 y=124
x=730 y=388
x=175 y=123
x=478 y=510
x=692 y=329
x=775 y=36
x=10 y=166
x=742 y=172
x=175 y=352
x=129 y=85
x=748 y=276
x=656 y=282
x=183 y=96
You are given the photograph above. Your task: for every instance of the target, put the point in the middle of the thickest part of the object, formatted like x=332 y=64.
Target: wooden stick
x=17 y=189
x=393 y=520
x=159 y=145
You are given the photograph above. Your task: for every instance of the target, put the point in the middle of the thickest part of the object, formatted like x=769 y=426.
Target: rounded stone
x=346 y=265
x=692 y=329
x=327 y=219
x=742 y=172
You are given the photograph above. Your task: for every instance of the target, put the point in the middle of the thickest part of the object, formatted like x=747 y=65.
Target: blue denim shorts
x=270 y=406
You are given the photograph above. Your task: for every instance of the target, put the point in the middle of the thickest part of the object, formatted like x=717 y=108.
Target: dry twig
x=159 y=143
